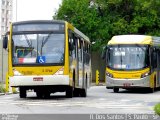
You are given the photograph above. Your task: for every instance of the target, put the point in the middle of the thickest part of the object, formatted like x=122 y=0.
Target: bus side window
x=80 y=49
x=75 y=42
x=154 y=58
x=86 y=53
x=89 y=49
x=71 y=44
x=158 y=59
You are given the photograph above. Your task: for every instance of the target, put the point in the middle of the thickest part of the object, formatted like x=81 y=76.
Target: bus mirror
x=103 y=55
x=154 y=59
x=93 y=43
x=5 y=42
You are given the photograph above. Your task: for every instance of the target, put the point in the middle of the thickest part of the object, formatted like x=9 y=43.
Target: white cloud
x=35 y=9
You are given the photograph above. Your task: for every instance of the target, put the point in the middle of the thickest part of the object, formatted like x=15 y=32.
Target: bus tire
x=22 y=92
x=115 y=90
x=151 y=90
x=76 y=92
x=46 y=93
x=83 y=92
x=69 y=92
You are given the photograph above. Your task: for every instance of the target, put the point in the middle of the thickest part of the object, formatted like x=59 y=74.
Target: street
x=99 y=100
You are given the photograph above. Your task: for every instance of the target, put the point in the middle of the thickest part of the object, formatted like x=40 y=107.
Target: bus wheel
x=76 y=92
x=69 y=92
x=83 y=92
x=116 y=90
x=22 y=92
x=151 y=90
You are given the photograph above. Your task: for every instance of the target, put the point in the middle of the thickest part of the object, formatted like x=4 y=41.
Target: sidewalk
x=9 y=92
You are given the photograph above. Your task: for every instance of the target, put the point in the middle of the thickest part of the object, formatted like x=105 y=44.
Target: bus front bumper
x=127 y=83
x=17 y=81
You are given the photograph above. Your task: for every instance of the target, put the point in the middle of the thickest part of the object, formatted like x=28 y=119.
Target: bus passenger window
x=79 y=50
x=154 y=59
x=71 y=46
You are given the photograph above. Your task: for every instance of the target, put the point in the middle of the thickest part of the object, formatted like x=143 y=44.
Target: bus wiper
x=120 y=55
x=44 y=41
x=28 y=41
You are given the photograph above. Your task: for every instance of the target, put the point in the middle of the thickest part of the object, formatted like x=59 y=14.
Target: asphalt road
x=99 y=101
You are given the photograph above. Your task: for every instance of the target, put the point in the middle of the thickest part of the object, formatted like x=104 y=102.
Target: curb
x=2 y=94
x=8 y=93
x=100 y=84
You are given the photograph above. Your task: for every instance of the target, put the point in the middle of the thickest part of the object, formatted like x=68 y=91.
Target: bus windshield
x=38 y=48
x=123 y=57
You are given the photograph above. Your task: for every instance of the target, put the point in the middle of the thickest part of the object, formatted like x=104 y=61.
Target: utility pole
x=6 y=13
x=16 y=10
x=2 y=60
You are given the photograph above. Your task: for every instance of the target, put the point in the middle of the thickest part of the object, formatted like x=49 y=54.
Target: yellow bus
x=132 y=61
x=47 y=57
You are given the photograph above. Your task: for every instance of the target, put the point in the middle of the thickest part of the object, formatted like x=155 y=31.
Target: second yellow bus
x=132 y=61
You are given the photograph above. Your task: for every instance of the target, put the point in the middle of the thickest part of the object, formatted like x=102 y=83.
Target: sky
x=34 y=9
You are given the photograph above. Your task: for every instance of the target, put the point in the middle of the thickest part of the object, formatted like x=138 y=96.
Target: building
x=5 y=15
x=6 y=8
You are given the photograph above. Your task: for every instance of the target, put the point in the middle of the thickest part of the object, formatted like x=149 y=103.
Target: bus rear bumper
x=17 y=81
x=127 y=83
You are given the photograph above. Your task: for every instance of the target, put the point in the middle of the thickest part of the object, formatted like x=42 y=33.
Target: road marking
x=122 y=104
x=89 y=102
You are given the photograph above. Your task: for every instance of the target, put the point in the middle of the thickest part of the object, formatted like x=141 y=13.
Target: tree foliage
x=107 y=18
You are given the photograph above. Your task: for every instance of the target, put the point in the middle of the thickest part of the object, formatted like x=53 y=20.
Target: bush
x=14 y=91
x=157 y=109
x=2 y=89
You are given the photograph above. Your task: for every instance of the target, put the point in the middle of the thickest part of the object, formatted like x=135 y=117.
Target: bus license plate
x=38 y=79
x=127 y=84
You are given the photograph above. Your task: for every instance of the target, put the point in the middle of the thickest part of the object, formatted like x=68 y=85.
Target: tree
x=107 y=18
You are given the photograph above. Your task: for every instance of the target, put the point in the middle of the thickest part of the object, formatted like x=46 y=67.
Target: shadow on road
x=52 y=97
x=138 y=91
x=57 y=97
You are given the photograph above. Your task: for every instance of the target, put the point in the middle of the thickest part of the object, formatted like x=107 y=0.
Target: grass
x=157 y=109
x=2 y=89
x=14 y=91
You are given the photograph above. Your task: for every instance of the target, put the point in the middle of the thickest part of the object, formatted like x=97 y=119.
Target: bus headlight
x=109 y=74
x=17 y=73
x=60 y=71
x=145 y=74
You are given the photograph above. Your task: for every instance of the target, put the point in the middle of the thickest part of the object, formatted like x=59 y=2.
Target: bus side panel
x=153 y=80
x=10 y=71
x=71 y=55
x=66 y=63
x=130 y=79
